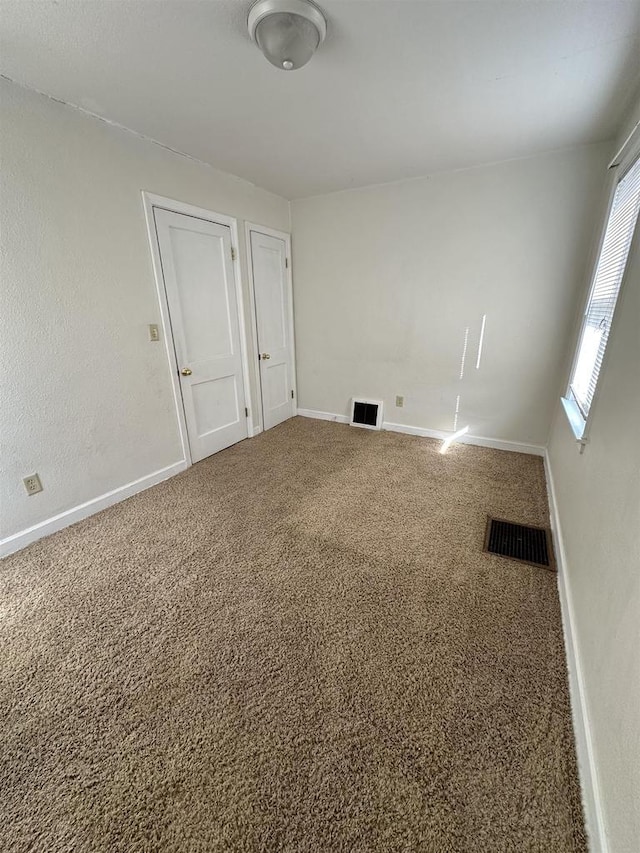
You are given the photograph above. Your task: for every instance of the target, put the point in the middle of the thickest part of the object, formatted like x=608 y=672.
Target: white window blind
x=604 y=292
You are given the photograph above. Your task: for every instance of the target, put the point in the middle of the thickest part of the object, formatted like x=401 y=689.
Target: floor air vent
x=517 y=542
x=366 y=413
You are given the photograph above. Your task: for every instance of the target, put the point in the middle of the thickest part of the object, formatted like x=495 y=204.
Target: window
x=601 y=304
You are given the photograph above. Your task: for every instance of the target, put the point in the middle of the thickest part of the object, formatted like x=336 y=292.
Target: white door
x=201 y=294
x=273 y=320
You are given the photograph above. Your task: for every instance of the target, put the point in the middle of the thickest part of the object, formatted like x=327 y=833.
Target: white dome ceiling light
x=288 y=32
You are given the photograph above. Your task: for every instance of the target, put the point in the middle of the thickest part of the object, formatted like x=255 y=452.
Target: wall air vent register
x=366 y=413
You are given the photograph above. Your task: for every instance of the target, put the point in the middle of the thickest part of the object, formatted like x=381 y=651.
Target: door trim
x=280 y=235
x=149 y=202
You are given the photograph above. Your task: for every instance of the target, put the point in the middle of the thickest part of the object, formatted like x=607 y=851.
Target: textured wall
x=86 y=398
x=389 y=279
x=598 y=498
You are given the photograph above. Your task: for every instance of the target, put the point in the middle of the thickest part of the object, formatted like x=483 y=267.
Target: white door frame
x=280 y=235
x=149 y=201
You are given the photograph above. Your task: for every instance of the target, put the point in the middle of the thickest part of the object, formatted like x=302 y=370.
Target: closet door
x=273 y=319
x=201 y=295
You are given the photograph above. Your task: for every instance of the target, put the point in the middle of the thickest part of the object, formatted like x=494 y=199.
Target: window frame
x=578 y=422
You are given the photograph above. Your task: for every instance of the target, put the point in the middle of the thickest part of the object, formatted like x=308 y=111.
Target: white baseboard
x=323 y=416
x=591 y=798
x=77 y=513
x=479 y=440
x=503 y=444
x=411 y=430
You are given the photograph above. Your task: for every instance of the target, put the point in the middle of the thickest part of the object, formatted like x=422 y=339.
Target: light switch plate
x=399 y=401
x=154 y=332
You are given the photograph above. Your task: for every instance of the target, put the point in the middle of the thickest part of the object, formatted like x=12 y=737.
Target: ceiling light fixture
x=288 y=32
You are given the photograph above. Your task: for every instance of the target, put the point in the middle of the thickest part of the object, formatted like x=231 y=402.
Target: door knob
x=265 y=355
x=186 y=371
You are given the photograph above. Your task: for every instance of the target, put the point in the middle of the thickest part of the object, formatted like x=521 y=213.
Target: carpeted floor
x=296 y=645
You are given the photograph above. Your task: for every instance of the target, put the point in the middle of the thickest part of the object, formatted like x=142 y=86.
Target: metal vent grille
x=365 y=413
x=518 y=542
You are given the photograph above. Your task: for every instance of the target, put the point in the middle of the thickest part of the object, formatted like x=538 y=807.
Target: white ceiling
x=398 y=89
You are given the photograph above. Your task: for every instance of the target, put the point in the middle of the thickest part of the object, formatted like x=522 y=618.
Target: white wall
x=86 y=398
x=598 y=504
x=387 y=279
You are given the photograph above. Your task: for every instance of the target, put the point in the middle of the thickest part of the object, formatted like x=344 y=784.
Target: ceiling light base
x=288 y=32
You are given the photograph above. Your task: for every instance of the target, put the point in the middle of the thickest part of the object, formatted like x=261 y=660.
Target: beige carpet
x=296 y=645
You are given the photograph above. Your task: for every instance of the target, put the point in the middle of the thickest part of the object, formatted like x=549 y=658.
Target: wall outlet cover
x=399 y=401
x=154 y=332
x=32 y=484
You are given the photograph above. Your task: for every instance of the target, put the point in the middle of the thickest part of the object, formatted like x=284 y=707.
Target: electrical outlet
x=32 y=484
x=399 y=401
x=154 y=332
